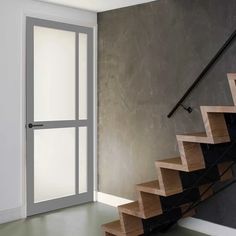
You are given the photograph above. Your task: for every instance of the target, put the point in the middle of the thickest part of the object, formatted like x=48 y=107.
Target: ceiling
x=98 y=5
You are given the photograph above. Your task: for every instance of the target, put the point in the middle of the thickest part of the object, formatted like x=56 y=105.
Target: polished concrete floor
x=83 y=220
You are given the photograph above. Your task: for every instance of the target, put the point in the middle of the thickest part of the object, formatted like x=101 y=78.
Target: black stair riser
x=230 y=119
x=158 y=222
x=212 y=152
x=189 y=179
x=179 y=199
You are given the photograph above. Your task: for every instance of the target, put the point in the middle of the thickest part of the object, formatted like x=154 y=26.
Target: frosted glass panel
x=83 y=160
x=54 y=74
x=54 y=163
x=83 y=71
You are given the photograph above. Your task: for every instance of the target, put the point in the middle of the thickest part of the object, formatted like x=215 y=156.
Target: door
x=59 y=115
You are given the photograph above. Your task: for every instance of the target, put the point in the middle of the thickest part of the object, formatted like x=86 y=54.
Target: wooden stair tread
x=149 y=187
x=231 y=76
x=114 y=228
x=193 y=137
x=153 y=187
x=175 y=160
x=134 y=210
x=176 y=164
x=172 y=163
x=199 y=134
x=219 y=109
x=131 y=209
x=201 y=138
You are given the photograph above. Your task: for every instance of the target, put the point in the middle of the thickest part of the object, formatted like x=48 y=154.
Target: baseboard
x=111 y=200
x=11 y=215
x=206 y=227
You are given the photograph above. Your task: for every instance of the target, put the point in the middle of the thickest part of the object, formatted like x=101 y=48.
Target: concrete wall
x=12 y=94
x=148 y=56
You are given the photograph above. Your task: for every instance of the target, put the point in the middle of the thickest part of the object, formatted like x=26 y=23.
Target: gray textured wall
x=148 y=56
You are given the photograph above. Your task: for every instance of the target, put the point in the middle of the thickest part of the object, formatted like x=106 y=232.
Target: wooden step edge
x=195 y=137
x=131 y=209
x=134 y=209
x=172 y=163
x=223 y=139
x=176 y=164
x=114 y=228
x=149 y=187
x=231 y=76
x=154 y=188
x=218 y=109
x=202 y=139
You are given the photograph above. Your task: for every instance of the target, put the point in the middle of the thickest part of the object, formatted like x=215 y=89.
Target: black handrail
x=204 y=72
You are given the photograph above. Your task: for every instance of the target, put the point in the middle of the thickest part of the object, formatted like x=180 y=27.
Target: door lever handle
x=31 y=125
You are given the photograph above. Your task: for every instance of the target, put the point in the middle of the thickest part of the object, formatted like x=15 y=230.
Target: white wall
x=12 y=93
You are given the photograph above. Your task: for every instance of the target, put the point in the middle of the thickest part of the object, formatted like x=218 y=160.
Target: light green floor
x=178 y=231
x=83 y=220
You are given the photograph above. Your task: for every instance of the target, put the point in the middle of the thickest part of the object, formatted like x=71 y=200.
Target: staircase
x=205 y=158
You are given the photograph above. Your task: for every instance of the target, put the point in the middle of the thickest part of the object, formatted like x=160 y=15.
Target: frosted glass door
x=54 y=163
x=59 y=115
x=54 y=74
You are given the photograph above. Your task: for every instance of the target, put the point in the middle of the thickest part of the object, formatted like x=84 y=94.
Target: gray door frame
x=37 y=208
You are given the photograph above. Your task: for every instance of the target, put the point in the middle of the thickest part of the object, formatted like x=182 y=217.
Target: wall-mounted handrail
x=204 y=72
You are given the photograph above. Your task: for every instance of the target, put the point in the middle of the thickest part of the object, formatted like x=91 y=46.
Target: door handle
x=31 y=125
